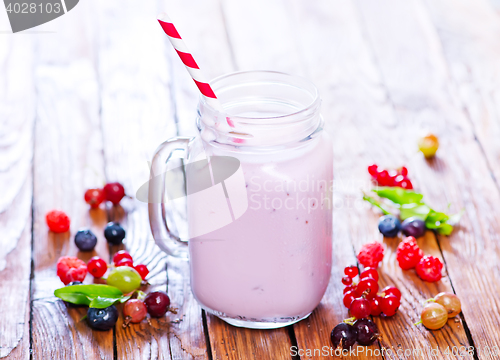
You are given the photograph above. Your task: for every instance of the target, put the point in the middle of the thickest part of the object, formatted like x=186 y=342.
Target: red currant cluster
x=70 y=268
x=363 y=298
x=410 y=256
x=398 y=177
x=113 y=192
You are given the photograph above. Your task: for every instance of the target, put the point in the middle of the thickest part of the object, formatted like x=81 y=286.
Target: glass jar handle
x=164 y=238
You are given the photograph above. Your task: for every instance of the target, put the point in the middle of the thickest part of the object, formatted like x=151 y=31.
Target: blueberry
x=389 y=225
x=114 y=233
x=413 y=227
x=102 y=319
x=85 y=240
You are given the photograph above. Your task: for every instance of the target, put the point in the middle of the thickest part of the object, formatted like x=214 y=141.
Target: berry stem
x=350 y=320
x=418 y=323
x=429 y=300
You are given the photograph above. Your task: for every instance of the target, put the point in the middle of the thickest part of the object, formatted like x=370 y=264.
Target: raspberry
x=408 y=253
x=70 y=268
x=57 y=221
x=371 y=254
x=429 y=268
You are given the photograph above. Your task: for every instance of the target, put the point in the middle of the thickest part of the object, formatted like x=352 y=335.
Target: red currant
x=114 y=192
x=349 y=288
x=389 y=305
x=368 y=287
x=360 y=308
x=408 y=253
x=351 y=271
x=375 y=309
x=346 y=280
x=369 y=273
x=349 y=298
x=97 y=267
x=383 y=178
x=372 y=170
x=94 y=197
x=405 y=184
x=403 y=171
x=122 y=254
x=57 y=221
x=392 y=290
x=371 y=254
x=125 y=262
x=429 y=268
x=142 y=270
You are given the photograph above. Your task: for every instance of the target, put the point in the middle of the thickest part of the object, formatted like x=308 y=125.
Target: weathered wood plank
x=358 y=94
x=68 y=154
x=424 y=96
x=138 y=115
x=17 y=114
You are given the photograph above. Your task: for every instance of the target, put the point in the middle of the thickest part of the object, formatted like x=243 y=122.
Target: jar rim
x=306 y=84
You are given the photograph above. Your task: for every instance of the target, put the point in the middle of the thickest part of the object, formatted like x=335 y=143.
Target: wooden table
x=88 y=97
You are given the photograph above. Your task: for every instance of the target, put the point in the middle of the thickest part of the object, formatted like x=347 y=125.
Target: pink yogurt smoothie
x=274 y=262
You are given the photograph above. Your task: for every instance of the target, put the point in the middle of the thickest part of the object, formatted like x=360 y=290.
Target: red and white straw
x=188 y=60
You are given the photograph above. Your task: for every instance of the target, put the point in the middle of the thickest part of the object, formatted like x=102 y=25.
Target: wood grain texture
x=454 y=176
x=17 y=115
x=137 y=116
x=68 y=160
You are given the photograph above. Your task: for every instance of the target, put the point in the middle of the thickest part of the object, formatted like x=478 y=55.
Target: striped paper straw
x=188 y=60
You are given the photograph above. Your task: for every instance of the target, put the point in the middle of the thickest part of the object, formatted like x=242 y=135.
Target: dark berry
x=408 y=253
x=75 y=283
x=94 y=197
x=429 y=268
x=114 y=233
x=114 y=192
x=102 y=319
x=371 y=254
x=369 y=273
x=346 y=280
x=413 y=227
x=389 y=225
x=157 y=303
x=85 y=240
x=97 y=267
x=367 y=331
x=122 y=254
x=351 y=271
x=360 y=308
x=343 y=335
x=57 y=221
